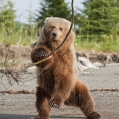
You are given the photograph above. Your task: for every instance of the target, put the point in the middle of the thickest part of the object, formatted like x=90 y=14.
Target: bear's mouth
x=54 y=38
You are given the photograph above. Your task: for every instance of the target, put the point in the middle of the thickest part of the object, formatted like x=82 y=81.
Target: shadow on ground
x=17 y=116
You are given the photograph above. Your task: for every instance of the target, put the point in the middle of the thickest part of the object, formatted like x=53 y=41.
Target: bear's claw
x=41 y=54
x=52 y=104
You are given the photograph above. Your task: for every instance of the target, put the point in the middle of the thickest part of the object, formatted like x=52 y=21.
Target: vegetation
x=100 y=17
x=96 y=25
x=57 y=8
x=11 y=31
x=107 y=44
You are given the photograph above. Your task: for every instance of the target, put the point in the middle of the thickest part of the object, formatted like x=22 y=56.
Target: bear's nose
x=54 y=34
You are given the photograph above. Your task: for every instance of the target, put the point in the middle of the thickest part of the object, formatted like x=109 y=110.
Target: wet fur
x=59 y=82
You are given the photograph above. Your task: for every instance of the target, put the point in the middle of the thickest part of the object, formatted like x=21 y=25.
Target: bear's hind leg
x=80 y=97
x=42 y=104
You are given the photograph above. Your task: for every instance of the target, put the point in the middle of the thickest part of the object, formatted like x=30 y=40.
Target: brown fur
x=58 y=80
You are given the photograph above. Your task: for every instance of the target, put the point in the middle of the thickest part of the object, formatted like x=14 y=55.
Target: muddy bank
x=100 y=57
x=16 y=54
x=21 y=55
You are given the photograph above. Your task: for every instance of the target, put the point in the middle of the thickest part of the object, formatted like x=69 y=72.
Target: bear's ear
x=69 y=24
x=47 y=19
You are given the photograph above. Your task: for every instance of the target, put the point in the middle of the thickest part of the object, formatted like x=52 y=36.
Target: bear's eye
x=60 y=29
x=52 y=27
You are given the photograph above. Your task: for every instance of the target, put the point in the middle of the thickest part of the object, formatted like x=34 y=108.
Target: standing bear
x=57 y=77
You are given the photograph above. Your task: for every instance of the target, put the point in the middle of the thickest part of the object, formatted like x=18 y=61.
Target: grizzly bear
x=57 y=77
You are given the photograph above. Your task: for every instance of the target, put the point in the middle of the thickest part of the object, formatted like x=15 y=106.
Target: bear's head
x=55 y=30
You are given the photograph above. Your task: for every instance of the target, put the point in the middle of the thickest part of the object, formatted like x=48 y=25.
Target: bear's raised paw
x=41 y=54
x=94 y=115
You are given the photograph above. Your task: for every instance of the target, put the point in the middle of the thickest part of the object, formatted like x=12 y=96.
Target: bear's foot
x=94 y=115
x=39 y=117
x=55 y=102
x=52 y=104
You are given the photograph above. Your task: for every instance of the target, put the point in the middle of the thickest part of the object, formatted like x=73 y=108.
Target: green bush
x=105 y=44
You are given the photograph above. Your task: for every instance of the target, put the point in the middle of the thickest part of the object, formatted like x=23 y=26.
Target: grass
x=20 y=35
x=104 y=44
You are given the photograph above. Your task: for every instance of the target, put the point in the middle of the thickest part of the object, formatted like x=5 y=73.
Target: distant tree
x=7 y=15
x=99 y=17
x=54 y=8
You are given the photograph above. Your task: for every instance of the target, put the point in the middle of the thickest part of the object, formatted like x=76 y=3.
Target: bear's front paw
x=40 y=54
x=94 y=115
x=55 y=102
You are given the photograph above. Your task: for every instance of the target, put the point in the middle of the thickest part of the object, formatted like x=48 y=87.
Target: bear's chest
x=63 y=60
